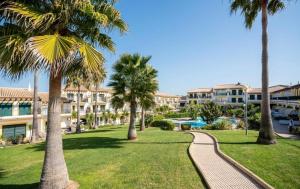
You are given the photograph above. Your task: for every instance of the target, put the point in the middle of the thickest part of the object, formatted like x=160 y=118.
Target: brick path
x=217 y=172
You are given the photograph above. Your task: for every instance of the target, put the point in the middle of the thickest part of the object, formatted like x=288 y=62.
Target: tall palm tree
x=250 y=10
x=129 y=83
x=61 y=31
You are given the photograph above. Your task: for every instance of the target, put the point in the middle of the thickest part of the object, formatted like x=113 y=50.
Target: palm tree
x=61 y=31
x=250 y=10
x=129 y=83
x=147 y=100
x=96 y=103
x=78 y=78
x=35 y=136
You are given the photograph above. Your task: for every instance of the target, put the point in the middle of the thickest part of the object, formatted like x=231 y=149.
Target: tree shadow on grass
x=2 y=173
x=169 y=142
x=82 y=143
x=19 y=186
x=237 y=143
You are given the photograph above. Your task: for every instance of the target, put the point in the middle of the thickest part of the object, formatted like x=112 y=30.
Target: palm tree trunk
x=35 y=125
x=266 y=132
x=142 y=128
x=96 y=109
x=55 y=172
x=78 y=130
x=131 y=130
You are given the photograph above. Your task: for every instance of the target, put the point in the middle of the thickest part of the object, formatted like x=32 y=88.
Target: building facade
x=237 y=94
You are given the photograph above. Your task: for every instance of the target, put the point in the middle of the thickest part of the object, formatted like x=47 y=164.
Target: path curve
x=217 y=172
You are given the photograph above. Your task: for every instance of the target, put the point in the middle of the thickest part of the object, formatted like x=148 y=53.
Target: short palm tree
x=129 y=82
x=50 y=35
x=148 y=99
x=78 y=78
x=250 y=10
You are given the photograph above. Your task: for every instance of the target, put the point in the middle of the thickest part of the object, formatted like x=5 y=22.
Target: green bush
x=254 y=121
x=176 y=115
x=220 y=125
x=240 y=125
x=208 y=127
x=185 y=127
x=150 y=118
x=163 y=124
x=239 y=112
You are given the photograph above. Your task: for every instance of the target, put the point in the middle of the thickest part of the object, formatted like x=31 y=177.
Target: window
x=203 y=95
x=258 y=97
x=5 y=109
x=252 y=97
x=195 y=95
x=14 y=131
x=233 y=92
x=233 y=100
x=25 y=109
x=240 y=92
x=70 y=96
x=240 y=100
x=81 y=108
x=81 y=97
x=94 y=97
x=191 y=95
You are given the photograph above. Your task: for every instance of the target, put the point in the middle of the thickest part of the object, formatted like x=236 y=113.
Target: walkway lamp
x=245 y=113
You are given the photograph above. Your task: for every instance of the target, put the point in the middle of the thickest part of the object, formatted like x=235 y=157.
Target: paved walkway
x=217 y=172
x=283 y=131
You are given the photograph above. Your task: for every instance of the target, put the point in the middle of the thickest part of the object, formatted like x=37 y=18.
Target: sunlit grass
x=105 y=159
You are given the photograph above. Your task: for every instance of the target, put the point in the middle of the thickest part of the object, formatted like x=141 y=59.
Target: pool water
x=200 y=123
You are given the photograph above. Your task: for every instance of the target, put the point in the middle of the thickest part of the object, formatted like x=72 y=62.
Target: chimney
x=29 y=87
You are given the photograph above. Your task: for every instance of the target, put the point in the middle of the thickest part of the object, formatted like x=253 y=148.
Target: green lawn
x=105 y=159
x=279 y=164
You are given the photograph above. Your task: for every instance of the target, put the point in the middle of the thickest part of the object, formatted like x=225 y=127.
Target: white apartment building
x=162 y=99
x=236 y=94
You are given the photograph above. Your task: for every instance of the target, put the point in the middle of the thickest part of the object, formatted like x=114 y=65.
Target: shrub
x=239 y=112
x=240 y=125
x=254 y=121
x=210 y=111
x=150 y=118
x=163 y=124
x=208 y=127
x=220 y=125
x=176 y=115
x=185 y=127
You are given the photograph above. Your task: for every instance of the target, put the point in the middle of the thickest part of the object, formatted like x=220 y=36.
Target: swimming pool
x=198 y=123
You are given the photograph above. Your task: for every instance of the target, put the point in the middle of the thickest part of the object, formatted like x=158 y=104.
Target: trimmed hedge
x=163 y=124
x=186 y=127
x=221 y=125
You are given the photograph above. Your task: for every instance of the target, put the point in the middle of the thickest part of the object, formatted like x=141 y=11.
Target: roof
x=84 y=89
x=230 y=86
x=280 y=88
x=201 y=90
x=11 y=94
x=162 y=94
x=254 y=90
x=272 y=89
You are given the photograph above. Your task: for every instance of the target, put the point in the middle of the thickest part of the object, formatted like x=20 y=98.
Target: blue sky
x=197 y=43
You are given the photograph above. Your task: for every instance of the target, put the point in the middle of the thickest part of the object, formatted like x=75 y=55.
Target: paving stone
x=217 y=172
